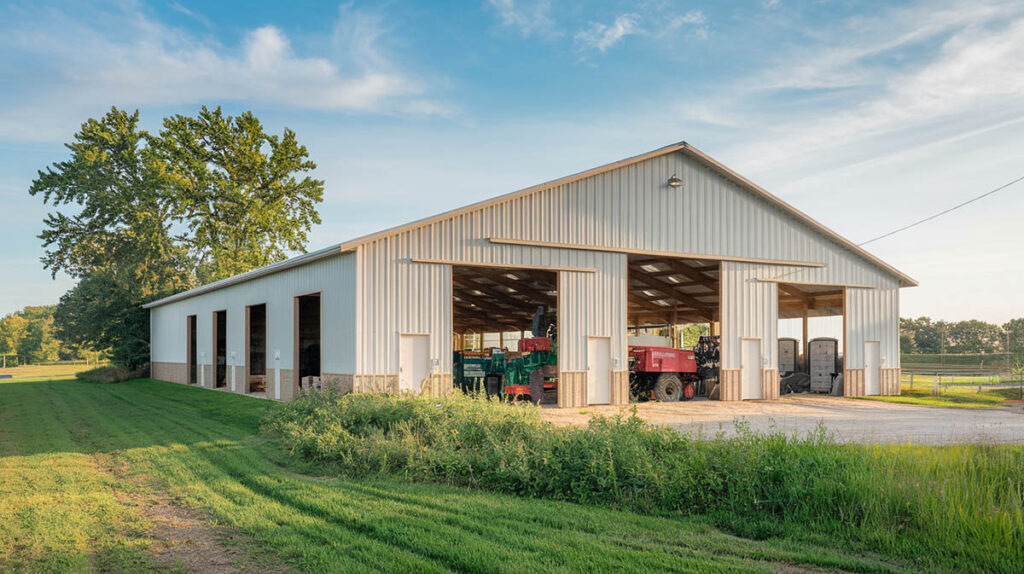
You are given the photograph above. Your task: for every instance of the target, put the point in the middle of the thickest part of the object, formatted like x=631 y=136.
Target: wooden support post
x=805 y=344
x=672 y=329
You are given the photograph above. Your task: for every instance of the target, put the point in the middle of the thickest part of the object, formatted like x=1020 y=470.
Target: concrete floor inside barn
x=850 y=420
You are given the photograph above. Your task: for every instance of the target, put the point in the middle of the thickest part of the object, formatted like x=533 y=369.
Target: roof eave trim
x=296 y=261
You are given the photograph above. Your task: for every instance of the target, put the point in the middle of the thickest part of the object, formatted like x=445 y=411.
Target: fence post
x=935 y=385
x=911 y=381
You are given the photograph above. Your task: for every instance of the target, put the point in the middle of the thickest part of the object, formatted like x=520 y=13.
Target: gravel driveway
x=851 y=420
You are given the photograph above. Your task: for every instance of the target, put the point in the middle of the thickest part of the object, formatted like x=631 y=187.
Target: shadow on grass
x=72 y=416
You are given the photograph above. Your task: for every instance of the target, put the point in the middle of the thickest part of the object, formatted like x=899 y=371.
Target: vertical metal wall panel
x=750 y=309
x=872 y=315
x=633 y=208
x=399 y=294
x=630 y=208
x=334 y=277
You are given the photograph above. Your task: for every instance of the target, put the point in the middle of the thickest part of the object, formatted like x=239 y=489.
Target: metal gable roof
x=681 y=147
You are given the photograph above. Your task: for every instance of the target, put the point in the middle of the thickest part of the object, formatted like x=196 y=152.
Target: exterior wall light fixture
x=675 y=181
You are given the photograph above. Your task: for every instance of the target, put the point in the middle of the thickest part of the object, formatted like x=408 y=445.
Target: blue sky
x=865 y=115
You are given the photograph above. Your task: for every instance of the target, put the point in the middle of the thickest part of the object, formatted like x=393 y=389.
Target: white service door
x=413 y=362
x=750 y=369
x=872 y=364
x=599 y=371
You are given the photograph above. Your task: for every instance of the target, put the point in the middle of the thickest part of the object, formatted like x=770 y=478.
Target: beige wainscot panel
x=170 y=372
x=890 y=381
x=730 y=382
x=853 y=382
x=770 y=384
x=620 y=388
x=572 y=389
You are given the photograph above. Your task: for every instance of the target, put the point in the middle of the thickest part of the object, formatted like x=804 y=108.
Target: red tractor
x=662 y=373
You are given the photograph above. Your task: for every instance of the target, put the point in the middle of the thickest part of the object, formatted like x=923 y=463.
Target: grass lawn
x=964 y=398
x=927 y=380
x=82 y=467
x=43 y=372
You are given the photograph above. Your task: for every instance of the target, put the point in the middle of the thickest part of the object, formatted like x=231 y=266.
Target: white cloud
x=911 y=77
x=530 y=18
x=691 y=17
x=133 y=60
x=657 y=21
x=601 y=37
x=177 y=7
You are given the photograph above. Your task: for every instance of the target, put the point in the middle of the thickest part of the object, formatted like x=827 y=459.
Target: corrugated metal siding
x=333 y=277
x=399 y=295
x=633 y=208
x=628 y=208
x=592 y=305
x=872 y=315
x=749 y=309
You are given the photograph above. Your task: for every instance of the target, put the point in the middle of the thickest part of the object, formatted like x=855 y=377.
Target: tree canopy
x=138 y=216
x=923 y=335
x=29 y=336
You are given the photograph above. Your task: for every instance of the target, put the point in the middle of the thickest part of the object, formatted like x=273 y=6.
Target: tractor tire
x=668 y=388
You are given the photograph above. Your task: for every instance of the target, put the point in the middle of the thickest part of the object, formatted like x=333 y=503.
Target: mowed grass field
x=85 y=470
x=43 y=372
x=965 y=398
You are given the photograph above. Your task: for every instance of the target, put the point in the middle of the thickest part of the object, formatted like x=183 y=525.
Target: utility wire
x=940 y=214
x=929 y=218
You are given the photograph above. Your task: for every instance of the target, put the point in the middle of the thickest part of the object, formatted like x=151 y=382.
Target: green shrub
x=112 y=374
x=927 y=502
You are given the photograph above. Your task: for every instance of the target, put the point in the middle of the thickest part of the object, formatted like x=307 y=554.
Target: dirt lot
x=850 y=420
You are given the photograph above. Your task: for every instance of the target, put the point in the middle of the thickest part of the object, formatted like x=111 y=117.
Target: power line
x=940 y=214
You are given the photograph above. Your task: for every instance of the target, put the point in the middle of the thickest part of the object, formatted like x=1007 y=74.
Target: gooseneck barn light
x=675 y=181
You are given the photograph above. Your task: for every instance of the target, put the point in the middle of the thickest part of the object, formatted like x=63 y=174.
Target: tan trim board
x=512 y=266
x=674 y=254
x=814 y=284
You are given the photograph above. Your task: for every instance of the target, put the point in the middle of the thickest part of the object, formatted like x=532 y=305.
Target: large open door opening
x=307 y=340
x=220 y=348
x=256 y=348
x=811 y=334
x=505 y=331
x=674 y=330
x=190 y=336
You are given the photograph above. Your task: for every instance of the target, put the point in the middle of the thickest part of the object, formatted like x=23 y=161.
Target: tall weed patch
x=944 y=505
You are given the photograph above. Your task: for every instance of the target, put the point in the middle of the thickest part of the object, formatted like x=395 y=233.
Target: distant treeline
x=923 y=335
x=30 y=337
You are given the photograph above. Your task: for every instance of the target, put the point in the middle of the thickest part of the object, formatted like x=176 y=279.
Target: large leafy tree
x=138 y=216
x=926 y=334
x=1016 y=335
x=12 y=331
x=237 y=191
x=30 y=335
x=114 y=207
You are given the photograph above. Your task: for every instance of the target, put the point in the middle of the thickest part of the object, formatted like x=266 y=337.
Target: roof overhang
x=296 y=261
